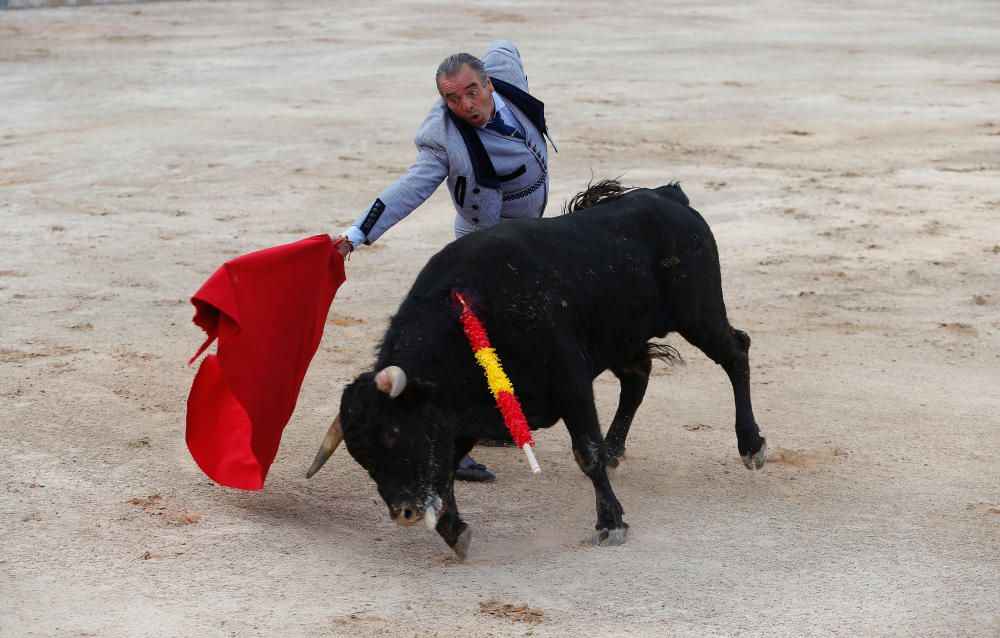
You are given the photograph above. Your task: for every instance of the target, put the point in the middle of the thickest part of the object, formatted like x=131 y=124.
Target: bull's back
x=599 y=282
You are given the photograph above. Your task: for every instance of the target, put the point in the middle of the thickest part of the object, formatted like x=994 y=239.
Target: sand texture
x=846 y=155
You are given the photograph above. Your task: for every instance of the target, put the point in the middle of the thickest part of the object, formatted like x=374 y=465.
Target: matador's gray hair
x=453 y=64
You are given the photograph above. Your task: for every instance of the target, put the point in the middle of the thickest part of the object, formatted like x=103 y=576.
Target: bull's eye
x=389 y=436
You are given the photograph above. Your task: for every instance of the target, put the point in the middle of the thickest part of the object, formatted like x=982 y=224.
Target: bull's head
x=396 y=433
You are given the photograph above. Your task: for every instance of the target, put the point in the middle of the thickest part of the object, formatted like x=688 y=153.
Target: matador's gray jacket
x=490 y=177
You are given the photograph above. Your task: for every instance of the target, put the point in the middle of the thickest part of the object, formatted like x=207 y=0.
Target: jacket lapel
x=530 y=106
x=481 y=164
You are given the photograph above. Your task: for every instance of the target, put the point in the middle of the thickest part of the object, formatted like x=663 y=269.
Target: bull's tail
x=595 y=194
x=608 y=189
x=665 y=353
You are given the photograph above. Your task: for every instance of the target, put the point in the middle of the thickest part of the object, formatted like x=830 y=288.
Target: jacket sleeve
x=404 y=195
x=503 y=61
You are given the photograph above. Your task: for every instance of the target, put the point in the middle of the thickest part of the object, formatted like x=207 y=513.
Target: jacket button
x=475 y=220
x=475 y=207
x=475 y=191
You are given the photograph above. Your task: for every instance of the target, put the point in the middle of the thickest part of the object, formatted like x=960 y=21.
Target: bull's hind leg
x=730 y=348
x=633 y=378
x=588 y=448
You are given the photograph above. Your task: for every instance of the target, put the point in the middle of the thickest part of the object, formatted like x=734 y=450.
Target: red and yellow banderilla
x=496 y=378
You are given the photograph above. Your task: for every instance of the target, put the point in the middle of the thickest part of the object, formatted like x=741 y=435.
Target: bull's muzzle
x=406 y=513
x=330 y=442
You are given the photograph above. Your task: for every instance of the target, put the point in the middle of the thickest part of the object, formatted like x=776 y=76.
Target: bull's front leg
x=453 y=529
x=450 y=525
x=591 y=456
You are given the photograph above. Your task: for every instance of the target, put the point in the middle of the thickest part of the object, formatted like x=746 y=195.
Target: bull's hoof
x=614 y=456
x=461 y=546
x=609 y=537
x=756 y=461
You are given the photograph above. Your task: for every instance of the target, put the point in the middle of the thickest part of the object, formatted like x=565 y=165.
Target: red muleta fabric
x=268 y=310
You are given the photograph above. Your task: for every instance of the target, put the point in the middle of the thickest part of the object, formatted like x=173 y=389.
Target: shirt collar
x=498 y=104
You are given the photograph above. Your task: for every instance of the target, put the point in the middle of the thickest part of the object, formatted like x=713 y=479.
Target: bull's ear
x=417 y=393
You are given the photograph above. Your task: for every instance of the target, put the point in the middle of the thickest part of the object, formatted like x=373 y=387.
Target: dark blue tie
x=498 y=125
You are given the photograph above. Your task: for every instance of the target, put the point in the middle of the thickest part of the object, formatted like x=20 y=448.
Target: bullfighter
x=486 y=137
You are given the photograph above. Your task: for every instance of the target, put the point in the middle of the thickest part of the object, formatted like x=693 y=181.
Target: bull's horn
x=333 y=438
x=391 y=380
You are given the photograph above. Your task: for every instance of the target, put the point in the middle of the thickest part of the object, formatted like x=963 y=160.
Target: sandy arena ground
x=847 y=158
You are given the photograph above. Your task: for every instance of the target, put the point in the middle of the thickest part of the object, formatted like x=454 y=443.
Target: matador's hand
x=343 y=246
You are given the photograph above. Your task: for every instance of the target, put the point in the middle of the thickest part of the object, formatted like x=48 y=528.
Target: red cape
x=268 y=310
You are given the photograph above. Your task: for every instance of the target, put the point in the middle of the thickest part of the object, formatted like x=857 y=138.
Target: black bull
x=563 y=299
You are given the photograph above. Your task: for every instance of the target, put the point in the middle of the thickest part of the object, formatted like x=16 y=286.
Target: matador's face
x=467 y=97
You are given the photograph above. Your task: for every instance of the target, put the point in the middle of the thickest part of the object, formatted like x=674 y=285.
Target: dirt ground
x=846 y=157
